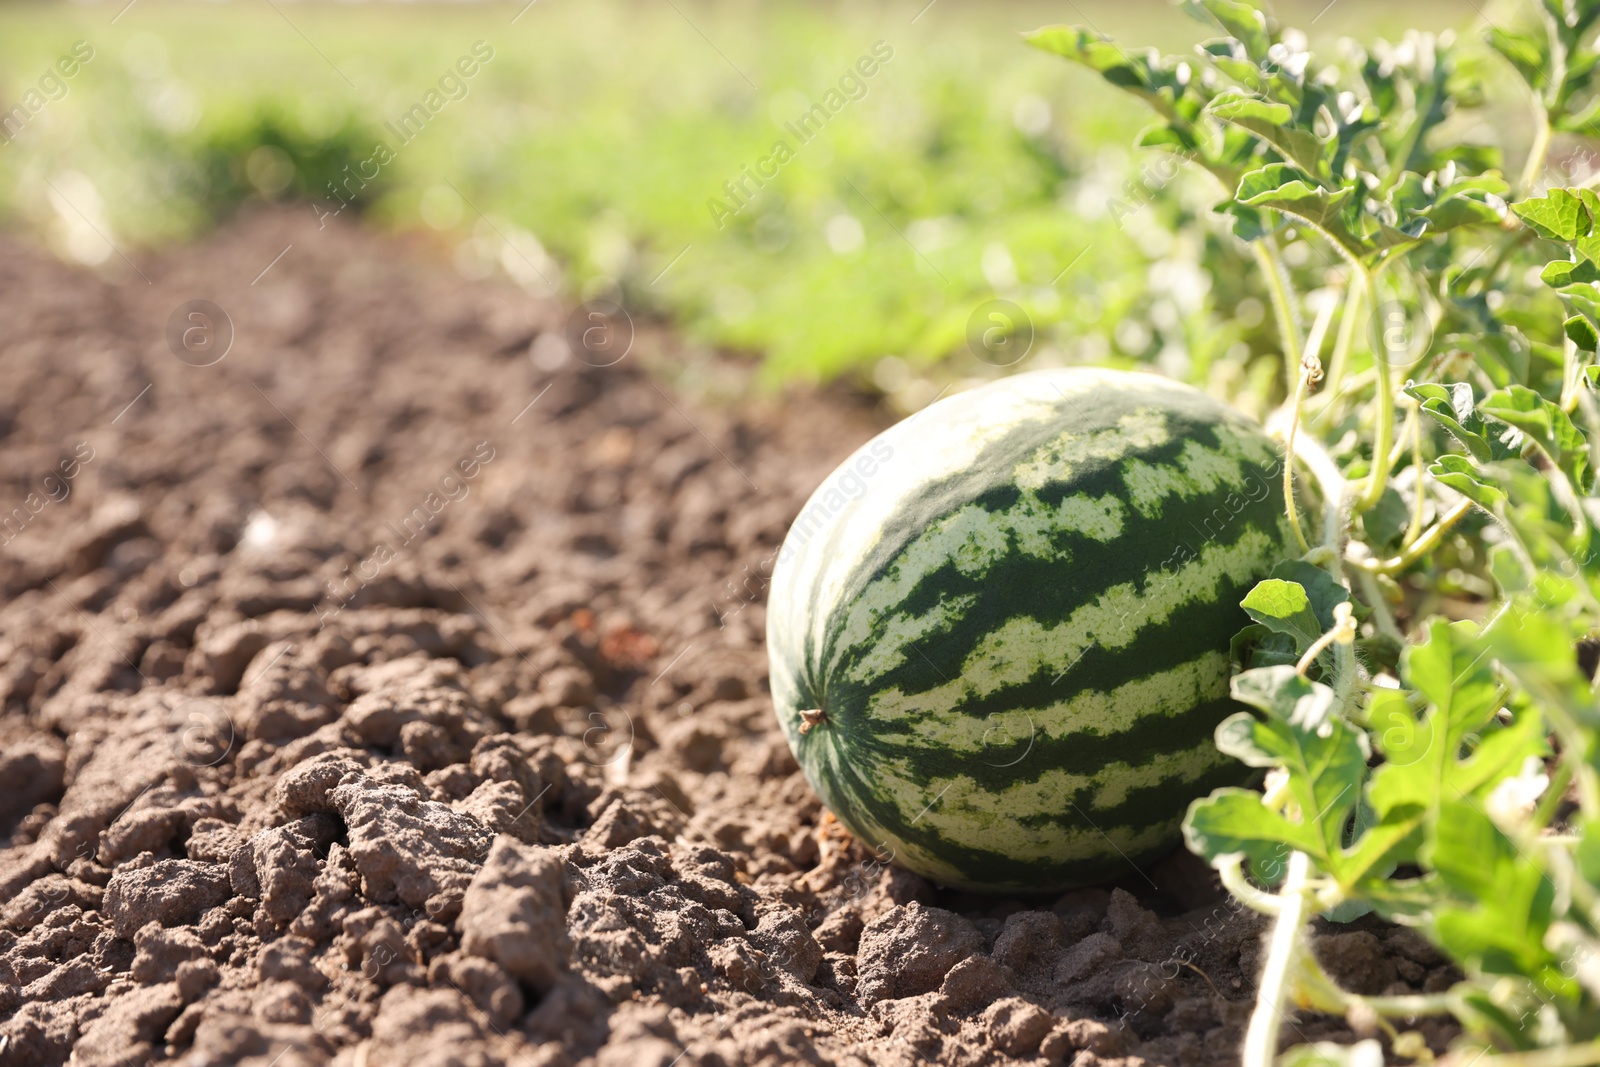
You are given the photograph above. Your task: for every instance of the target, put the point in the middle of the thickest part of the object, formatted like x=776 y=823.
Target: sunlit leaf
x=1458 y=473
x=1560 y=215
x=1582 y=333
x=1269 y=120
x=1547 y=425
x=1284 y=608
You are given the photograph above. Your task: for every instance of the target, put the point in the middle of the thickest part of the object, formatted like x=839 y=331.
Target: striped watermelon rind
x=1013 y=611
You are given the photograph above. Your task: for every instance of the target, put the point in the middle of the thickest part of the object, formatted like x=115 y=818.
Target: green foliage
x=1444 y=774
x=599 y=133
x=270 y=149
x=1324 y=755
x=1284 y=608
x=1296 y=147
x=1291 y=611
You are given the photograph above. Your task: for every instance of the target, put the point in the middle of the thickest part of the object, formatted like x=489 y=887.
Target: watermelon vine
x=1422 y=681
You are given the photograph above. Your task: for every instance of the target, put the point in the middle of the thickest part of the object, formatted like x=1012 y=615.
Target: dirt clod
x=909 y=950
x=168 y=892
x=1016 y=1026
x=1356 y=961
x=515 y=911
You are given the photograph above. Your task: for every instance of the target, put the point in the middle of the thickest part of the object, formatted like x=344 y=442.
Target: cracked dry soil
x=356 y=712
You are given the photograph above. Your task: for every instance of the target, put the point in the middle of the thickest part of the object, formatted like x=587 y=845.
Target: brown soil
x=356 y=712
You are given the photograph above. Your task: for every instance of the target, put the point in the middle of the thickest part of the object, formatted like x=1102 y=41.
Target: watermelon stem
x=812 y=717
x=1283 y=308
x=1284 y=949
x=1343 y=633
x=1420 y=505
x=1384 y=428
x=1421 y=546
x=1230 y=869
x=1310 y=374
x=1342 y=344
x=1374 y=596
x=1335 y=518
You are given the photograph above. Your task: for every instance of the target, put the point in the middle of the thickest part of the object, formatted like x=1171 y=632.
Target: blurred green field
x=590 y=154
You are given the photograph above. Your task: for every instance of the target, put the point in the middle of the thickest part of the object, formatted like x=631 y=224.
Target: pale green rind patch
x=1097 y=517
x=1057 y=460
x=1243 y=462
x=972 y=540
x=1022 y=647
x=1093 y=712
x=969 y=816
x=895 y=633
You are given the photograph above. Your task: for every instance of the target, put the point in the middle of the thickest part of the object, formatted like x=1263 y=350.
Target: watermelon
x=999 y=632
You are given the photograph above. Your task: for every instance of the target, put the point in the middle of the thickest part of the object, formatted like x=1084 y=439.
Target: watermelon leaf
x=1159 y=82
x=1547 y=425
x=1284 y=188
x=1581 y=332
x=1239 y=20
x=1323 y=592
x=1560 y=273
x=1387 y=520
x=1231 y=822
x=1506 y=905
x=1453 y=676
x=1455 y=409
x=1326 y=757
x=1285 y=696
x=1457 y=473
x=1284 y=608
x=1269 y=120
x=1259 y=646
x=1424 y=735
x=1559 y=216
